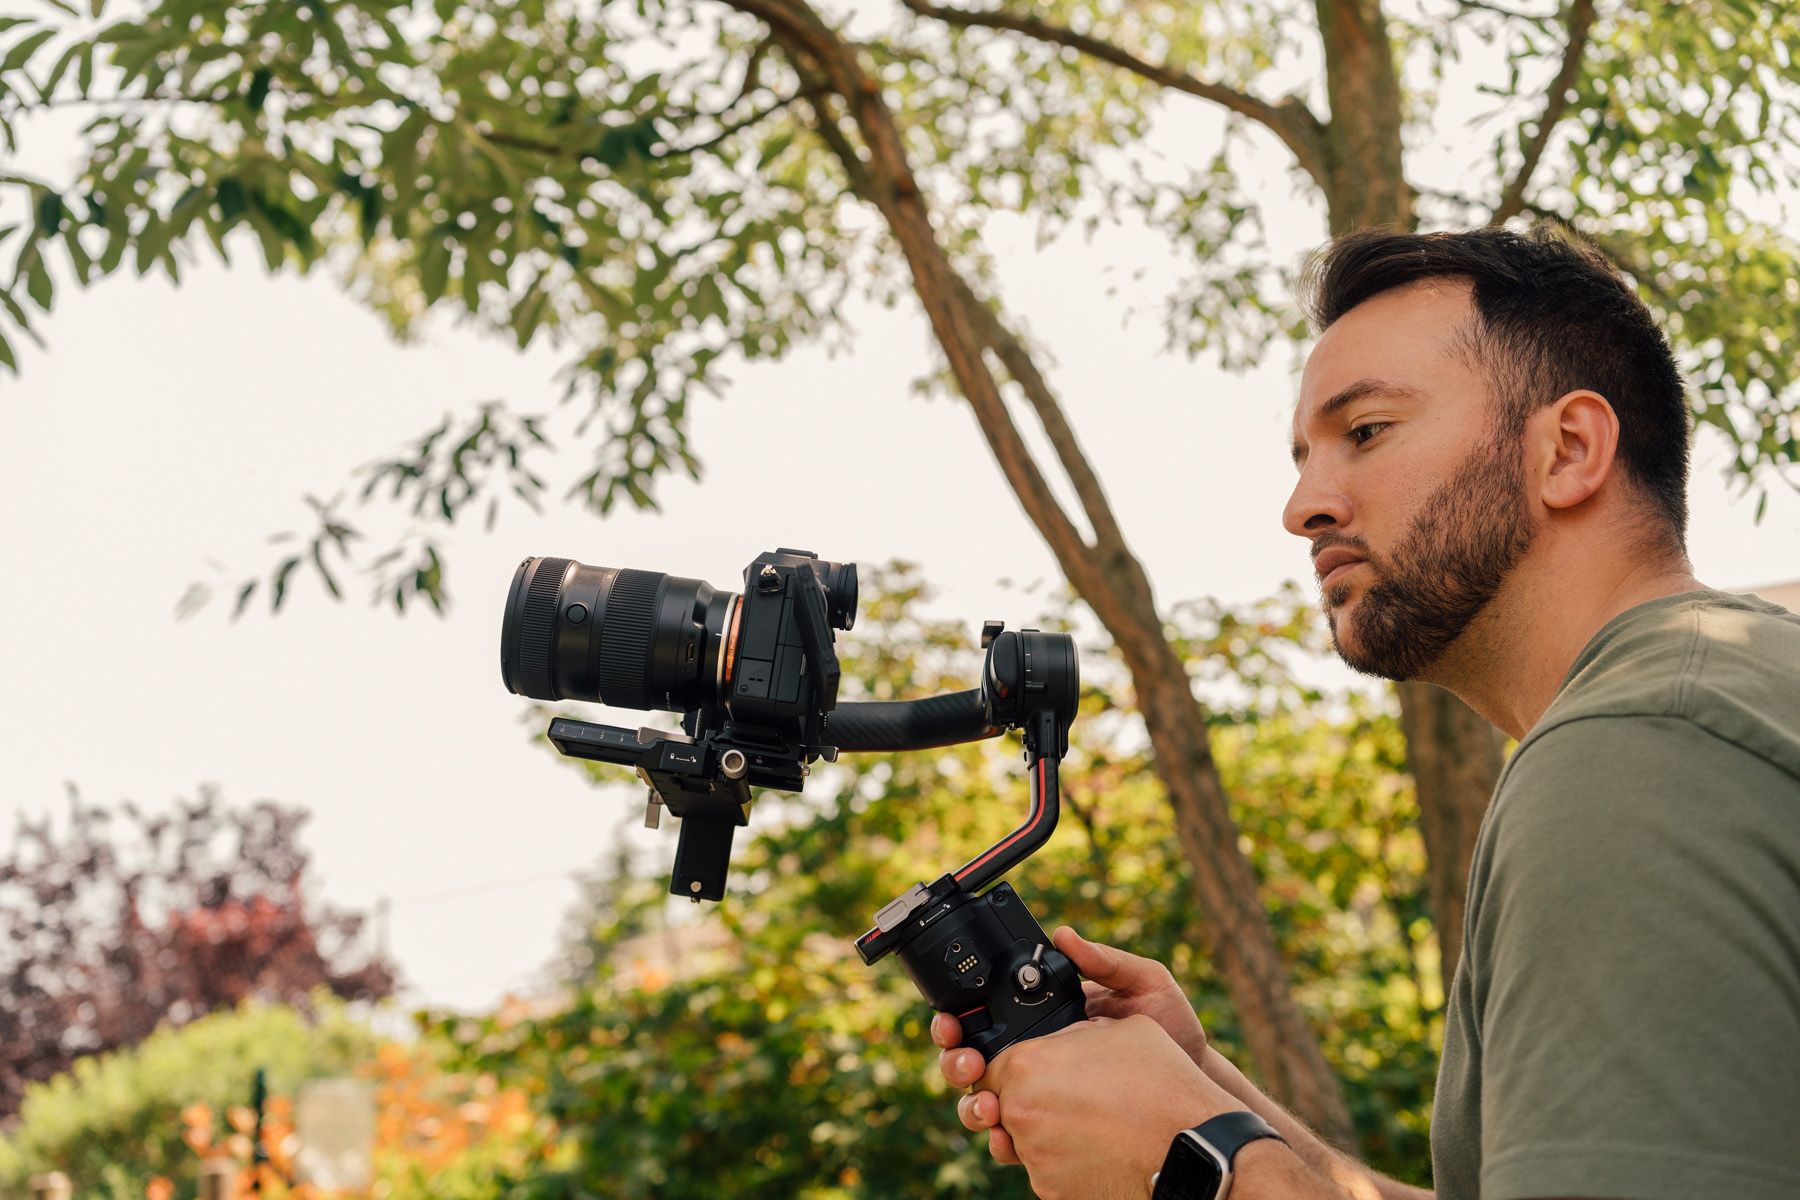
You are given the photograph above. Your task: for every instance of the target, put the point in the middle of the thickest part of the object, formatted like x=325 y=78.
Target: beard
x=1469 y=535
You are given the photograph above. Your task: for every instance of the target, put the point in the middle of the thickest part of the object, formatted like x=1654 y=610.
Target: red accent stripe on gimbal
x=1037 y=814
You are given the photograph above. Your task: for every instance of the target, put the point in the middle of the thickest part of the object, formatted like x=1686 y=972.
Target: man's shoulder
x=1727 y=665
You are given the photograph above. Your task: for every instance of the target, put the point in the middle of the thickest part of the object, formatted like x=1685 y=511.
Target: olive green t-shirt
x=1626 y=1018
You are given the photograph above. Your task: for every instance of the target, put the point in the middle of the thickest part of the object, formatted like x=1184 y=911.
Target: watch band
x=1221 y=1137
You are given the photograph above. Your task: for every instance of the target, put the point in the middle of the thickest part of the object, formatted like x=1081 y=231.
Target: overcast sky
x=167 y=432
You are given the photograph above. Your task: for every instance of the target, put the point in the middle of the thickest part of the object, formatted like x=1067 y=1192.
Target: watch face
x=1192 y=1171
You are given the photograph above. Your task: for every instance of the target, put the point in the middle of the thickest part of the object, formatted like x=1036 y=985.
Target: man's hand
x=1118 y=984
x=1091 y=1108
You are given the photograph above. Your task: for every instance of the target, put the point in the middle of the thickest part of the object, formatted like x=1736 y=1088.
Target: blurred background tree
x=670 y=188
x=120 y=921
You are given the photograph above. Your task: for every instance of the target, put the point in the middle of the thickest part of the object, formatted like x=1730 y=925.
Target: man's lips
x=1334 y=562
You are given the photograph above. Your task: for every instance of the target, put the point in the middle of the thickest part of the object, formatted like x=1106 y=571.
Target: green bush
x=113 y=1122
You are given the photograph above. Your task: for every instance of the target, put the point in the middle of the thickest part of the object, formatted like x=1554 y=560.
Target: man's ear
x=1573 y=443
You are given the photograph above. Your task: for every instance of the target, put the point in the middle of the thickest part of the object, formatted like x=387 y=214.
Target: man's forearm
x=1351 y=1179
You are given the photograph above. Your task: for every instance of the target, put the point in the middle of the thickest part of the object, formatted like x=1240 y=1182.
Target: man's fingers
x=946 y=1031
x=961 y=1067
x=1106 y=965
x=1000 y=1145
x=978 y=1111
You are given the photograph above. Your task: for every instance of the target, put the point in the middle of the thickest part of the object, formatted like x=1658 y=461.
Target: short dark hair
x=1552 y=315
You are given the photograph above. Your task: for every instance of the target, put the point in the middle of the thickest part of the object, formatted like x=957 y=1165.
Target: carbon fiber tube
x=909 y=724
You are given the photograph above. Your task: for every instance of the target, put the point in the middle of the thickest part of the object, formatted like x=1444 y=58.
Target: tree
x=671 y=186
x=129 y=920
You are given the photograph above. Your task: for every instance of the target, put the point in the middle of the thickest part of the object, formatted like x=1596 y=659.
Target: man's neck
x=1512 y=660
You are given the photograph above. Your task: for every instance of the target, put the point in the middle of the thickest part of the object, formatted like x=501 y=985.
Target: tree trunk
x=1106 y=574
x=1455 y=759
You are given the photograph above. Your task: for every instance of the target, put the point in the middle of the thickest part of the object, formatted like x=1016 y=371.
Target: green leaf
x=281 y=582
x=37 y=283
x=122 y=31
x=331 y=583
x=78 y=255
x=152 y=240
x=273 y=248
x=232 y=201
x=6 y=355
x=64 y=61
x=259 y=89
x=49 y=214
x=185 y=209
x=434 y=269
x=529 y=314
x=22 y=51
x=369 y=214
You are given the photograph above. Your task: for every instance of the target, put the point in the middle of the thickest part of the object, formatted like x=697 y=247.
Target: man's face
x=1415 y=505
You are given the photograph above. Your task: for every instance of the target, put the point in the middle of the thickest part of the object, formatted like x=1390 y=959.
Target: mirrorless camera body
x=755 y=676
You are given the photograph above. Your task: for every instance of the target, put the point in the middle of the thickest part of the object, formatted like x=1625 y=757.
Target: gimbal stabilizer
x=755 y=675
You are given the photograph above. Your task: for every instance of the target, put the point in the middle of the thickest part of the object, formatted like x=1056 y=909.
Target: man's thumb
x=1105 y=965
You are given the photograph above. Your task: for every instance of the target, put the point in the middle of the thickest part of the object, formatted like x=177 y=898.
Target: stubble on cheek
x=1458 y=550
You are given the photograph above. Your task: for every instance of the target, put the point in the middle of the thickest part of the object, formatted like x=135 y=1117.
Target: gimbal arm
x=874 y=725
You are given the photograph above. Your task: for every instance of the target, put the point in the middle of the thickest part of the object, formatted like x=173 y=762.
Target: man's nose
x=1316 y=505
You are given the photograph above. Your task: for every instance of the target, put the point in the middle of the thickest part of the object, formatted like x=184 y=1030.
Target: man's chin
x=1355 y=654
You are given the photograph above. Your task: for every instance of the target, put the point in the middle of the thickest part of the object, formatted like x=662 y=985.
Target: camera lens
x=635 y=639
x=840 y=588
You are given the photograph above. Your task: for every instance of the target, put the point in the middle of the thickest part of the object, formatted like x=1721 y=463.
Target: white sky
x=167 y=429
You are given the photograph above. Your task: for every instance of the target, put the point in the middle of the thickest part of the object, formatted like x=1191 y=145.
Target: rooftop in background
x=1785 y=594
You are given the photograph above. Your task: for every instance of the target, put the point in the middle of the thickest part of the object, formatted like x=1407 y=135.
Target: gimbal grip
x=909 y=724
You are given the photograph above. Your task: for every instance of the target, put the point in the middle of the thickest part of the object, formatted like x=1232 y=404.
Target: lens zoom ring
x=537 y=630
x=625 y=645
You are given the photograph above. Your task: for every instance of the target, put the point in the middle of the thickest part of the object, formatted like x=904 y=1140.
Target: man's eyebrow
x=1355 y=392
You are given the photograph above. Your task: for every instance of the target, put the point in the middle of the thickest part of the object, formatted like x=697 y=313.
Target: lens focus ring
x=625 y=649
x=537 y=630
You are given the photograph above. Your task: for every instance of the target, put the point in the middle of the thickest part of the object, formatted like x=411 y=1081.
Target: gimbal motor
x=755 y=677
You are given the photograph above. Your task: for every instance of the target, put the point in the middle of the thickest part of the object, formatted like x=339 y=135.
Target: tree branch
x=1290 y=120
x=552 y=150
x=1556 y=103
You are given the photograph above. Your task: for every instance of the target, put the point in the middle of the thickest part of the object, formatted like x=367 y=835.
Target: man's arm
x=1353 y=1179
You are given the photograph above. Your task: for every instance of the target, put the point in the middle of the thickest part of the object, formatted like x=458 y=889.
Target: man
x=1492 y=445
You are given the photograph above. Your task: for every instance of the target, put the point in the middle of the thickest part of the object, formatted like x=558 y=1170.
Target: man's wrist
x=1203 y=1159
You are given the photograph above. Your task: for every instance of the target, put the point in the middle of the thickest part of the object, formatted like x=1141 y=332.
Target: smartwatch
x=1198 y=1166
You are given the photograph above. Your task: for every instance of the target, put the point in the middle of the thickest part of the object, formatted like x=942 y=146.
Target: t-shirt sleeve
x=1637 y=956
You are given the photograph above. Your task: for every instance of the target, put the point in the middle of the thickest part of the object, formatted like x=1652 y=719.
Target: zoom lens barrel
x=635 y=639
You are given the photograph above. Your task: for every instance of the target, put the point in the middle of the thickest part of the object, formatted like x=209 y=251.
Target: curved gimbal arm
x=979 y=871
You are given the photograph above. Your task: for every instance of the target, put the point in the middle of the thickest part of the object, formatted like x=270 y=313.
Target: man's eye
x=1361 y=434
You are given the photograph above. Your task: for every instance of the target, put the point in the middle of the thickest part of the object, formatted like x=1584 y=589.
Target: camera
x=755 y=676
